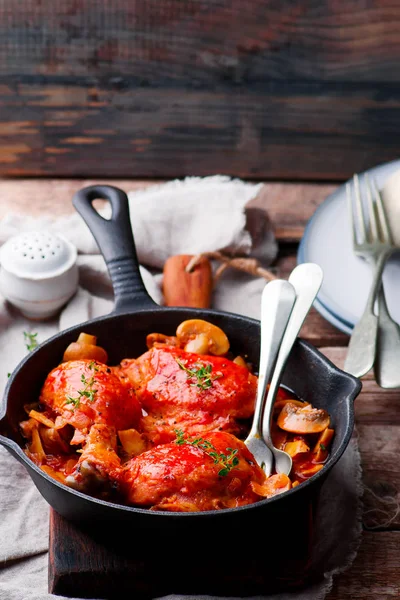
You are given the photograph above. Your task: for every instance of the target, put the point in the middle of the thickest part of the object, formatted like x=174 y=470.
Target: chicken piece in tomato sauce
x=188 y=391
x=83 y=394
x=215 y=471
x=99 y=465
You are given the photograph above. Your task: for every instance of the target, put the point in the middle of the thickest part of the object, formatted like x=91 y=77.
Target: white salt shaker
x=38 y=273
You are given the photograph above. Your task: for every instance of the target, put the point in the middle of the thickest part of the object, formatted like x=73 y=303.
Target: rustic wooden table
x=375 y=573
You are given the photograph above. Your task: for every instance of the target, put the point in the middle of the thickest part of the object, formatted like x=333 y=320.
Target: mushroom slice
x=199 y=344
x=296 y=447
x=196 y=334
x=154 y=339
x=295 y=419
x=276 y=484
x=85 y=347
x=239 y=360
x=279 y=404
x=306 y=472
x=320 y=451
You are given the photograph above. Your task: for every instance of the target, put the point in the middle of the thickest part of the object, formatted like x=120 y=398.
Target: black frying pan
x=122 y=333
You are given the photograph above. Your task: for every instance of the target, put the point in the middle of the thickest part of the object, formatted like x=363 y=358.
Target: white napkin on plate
x=23 y=512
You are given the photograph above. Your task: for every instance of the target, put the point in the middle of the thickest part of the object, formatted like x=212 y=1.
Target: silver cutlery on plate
x=375 y=339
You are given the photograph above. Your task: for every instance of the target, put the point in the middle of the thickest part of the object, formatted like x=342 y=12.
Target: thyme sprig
x=30 y=341
x=87 y=391
x=200 y=373
x=226 y=461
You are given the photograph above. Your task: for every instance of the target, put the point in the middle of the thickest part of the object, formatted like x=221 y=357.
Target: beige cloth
x=23 y=512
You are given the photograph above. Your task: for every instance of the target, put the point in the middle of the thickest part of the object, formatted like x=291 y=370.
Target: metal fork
x=372 y=241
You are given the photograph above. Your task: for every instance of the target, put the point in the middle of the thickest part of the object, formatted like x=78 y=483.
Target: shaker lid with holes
x=37 y=255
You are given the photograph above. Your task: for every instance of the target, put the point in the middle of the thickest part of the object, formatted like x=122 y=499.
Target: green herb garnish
x=87 y=391
x=30 y=341
x=200 y=373
x=225 y=461
x=92 y=366
x=322 y=446
x=74 y=401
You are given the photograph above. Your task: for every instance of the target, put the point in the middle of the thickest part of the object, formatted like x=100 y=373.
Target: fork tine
x=373 y=223
x=383 y=222
x=359 y=210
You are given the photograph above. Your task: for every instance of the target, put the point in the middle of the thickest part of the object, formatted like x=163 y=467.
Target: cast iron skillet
x=122 y=333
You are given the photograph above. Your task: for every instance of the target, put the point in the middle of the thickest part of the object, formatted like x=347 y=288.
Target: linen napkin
x=23 y=512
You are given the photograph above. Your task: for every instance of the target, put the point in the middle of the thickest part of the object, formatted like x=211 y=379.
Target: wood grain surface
x=115 y=563
x=283 y=89
x=375 y=572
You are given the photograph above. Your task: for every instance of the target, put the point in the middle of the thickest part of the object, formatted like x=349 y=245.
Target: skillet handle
x=115 y=240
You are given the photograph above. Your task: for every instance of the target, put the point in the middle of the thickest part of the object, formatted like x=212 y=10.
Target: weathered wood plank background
x=163 y=88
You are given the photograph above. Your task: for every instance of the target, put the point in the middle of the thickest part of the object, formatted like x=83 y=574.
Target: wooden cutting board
x=101 y=562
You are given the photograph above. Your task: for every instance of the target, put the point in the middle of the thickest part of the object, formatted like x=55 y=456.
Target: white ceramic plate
x=327 y=241
x=345 y=327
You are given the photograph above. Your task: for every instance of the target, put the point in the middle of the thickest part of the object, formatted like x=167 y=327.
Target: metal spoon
x=277 y=301
x=306 y=280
